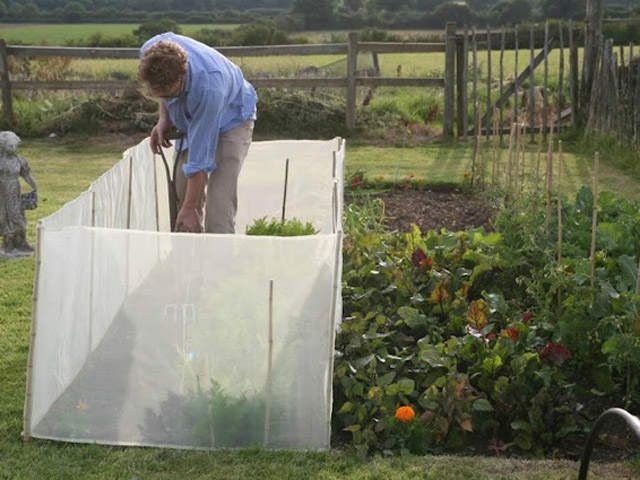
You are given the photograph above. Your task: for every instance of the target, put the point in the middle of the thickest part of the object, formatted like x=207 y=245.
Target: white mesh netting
x=145 y=337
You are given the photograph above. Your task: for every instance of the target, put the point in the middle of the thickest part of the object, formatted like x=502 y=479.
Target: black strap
x=171 y=183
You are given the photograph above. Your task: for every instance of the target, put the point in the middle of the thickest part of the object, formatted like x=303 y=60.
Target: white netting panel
x=155 y=338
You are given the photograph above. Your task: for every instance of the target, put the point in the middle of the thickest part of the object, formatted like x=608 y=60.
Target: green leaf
x=496 y=302
x=353 y=428
x=524 y=441
x=406 y=386
x=520 y=425
x=386 y=379
x=482 y=405
x=490 y=239
x=346 y=407
x=433 y=358
x=412 y=317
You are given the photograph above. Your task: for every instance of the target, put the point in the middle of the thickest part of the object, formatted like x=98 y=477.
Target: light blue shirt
x=215 y=98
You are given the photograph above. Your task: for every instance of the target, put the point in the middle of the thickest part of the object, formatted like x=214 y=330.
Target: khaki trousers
x=219 y=201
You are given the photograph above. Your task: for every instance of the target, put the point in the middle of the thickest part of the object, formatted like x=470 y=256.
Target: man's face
x=168 y=93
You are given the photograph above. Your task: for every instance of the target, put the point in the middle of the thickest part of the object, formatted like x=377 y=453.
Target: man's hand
x=159 y=136
x=188 y=220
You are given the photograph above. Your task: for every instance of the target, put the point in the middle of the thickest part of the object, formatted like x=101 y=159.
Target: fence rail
x=351 y=82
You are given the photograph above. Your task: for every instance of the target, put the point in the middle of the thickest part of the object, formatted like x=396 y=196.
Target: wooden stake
x=476 y=145
x=573 y=76
x=502 y=42
x=532 y=81
x=465 y=81
x=284 y=195
x=496 y=140
x=638 y=281
x=559 y=193
x=516 y=158
x=516 y=76
x=507 y=181
x=594 y=222
x=545 y=103
x=560 y=81
x=489 y=111
x=474 y=92
x=523 y=164
x=28 y=398
x=549 y=185
x=267 y=413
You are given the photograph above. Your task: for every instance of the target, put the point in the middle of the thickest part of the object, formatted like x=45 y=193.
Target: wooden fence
x=492 y=115
x=351 y=82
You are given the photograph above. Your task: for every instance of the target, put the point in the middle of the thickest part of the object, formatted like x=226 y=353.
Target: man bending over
x=204 y=95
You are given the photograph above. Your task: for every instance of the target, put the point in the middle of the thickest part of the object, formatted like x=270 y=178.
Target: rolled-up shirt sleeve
x=206 y=110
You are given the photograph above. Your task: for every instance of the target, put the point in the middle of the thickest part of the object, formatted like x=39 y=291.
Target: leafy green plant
x=487 y=334
x=223 y=420
x=277 y=228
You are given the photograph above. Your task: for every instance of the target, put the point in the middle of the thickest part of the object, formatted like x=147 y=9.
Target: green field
x=65 y=167
x=60 y=33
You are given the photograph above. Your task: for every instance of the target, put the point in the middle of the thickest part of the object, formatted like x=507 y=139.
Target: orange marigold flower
x=380 y=177
x=405 y=414
x=412 y=175
x=465 y=175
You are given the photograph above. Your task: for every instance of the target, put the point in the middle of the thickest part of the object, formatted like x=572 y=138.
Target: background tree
x=563 y=8
x=511 y=11
x=149 y=29
x=316 y=13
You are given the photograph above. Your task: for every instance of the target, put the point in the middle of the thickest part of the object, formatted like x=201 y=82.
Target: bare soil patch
x=434 y=210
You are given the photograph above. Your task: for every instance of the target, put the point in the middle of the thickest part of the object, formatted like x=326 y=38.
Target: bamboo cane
x=523 y=162
x=267 y=412
x=594 y=223
x=496 y=140
x=559 y=201
x=476 y=145
x=507 y=180
x=549 y=185
x=284 y=195
x=28 y=398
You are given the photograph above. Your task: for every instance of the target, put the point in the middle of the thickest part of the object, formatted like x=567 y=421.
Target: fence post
x=461 y=67
x=7 y=105
x=573 y=75
x=352 y=64
x=449 y=78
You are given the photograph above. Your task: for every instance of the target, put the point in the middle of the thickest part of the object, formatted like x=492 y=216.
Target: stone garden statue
x=13 y=224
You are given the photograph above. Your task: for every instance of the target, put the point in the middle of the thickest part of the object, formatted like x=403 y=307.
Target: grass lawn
x=63 y=168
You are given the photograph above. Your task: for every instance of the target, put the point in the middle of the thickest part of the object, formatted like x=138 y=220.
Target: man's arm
x=160 y=132
x=188 y=219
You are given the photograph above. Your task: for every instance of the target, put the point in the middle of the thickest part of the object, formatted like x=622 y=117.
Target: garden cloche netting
x=141 y=336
